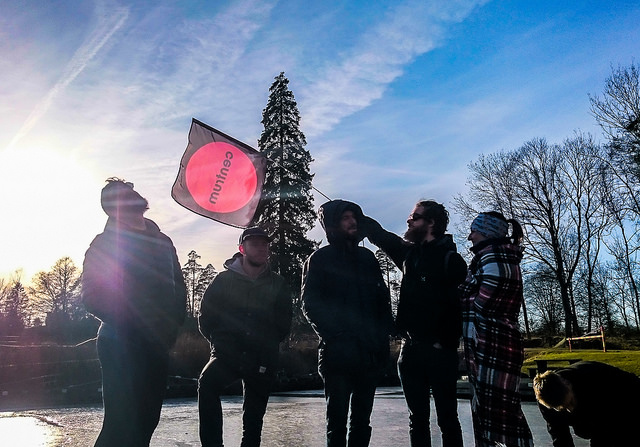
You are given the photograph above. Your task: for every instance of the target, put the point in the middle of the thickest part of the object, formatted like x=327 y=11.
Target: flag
x=219 y=177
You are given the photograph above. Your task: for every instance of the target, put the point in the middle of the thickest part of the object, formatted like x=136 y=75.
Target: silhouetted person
x=245 y=314
x=599 y=401
x=428 y=318
x=347 y=302
x=133 y=283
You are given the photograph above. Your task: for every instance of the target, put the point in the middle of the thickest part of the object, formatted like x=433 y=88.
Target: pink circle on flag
x=221 y=178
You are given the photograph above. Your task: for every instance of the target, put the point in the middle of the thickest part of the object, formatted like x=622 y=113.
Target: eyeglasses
x=416 y=216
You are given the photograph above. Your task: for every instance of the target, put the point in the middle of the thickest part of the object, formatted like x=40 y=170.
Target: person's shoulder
x=151 y=225
x=226 y=273
x=104 y=240
x=365 y=252
x=154 y=229
x=367 y=257
x=275 y=276
x=321 y=252
x=588 y=365
x=221 y=280
x=502 y=253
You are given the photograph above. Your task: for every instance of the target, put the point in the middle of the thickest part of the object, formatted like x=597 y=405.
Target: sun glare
x=26 y=432
x=50 y=207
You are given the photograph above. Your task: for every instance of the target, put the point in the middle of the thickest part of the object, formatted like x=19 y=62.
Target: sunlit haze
x=396 y=98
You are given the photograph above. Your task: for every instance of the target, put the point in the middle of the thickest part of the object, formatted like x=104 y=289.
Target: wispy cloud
x=196 y=63
x=110 y=20
x=409 y=30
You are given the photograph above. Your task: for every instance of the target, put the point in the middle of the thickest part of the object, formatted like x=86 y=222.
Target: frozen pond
x=294 y=420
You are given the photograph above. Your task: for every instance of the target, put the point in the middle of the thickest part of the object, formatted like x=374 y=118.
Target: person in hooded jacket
x=428 y=318
x=245 y=313
x=132 y=282
x=347 y=302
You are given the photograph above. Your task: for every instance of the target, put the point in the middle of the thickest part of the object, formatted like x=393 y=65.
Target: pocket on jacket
x=342 y=355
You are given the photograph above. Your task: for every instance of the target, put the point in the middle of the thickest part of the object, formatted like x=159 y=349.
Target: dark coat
x=606 y=407
x=346 y=300
x=133 y=283
x=245 y=319
x=429 y=305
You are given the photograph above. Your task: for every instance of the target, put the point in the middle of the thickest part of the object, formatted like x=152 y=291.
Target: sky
x=396 y=99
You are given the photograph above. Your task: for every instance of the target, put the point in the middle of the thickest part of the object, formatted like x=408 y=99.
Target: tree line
x=577 y=200
x=53 y=298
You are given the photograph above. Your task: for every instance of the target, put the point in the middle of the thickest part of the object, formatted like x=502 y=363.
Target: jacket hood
x=233 y=260
x=234 y=264
x=330 y=214
x=446 y=240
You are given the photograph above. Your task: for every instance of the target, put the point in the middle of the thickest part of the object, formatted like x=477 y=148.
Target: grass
x=627 y=360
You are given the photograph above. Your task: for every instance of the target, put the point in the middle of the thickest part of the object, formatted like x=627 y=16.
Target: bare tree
x=623 y=246
x=542 y=293
x=586 y=189
x=553 y=190
x=618 y=113
x=56 y=292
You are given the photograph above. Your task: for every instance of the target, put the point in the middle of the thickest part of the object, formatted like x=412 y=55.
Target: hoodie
x=245 y=319
x=132 y=282
x=345 y=298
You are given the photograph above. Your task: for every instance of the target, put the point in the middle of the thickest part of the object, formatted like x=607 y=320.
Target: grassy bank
x=627 y=360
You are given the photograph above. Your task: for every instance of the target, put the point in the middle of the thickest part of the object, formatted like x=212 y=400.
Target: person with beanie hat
x=491 y=301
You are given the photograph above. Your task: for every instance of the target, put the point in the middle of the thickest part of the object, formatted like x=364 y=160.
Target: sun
x=50 y=209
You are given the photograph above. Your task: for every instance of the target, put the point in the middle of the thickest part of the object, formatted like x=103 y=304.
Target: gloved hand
x=368 y=227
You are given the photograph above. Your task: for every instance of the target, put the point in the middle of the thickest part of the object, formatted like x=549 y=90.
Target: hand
x=368 y=226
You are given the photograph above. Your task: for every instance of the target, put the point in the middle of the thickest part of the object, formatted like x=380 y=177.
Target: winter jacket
x=245 y=319
x=494 y=353
x=606 y=407
x=429 y=308
x=346 y=300
x=133 y=283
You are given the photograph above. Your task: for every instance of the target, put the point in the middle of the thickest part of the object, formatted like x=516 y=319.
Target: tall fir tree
x=286 y=208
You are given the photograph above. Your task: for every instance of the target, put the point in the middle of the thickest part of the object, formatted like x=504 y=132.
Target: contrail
x=103 y=32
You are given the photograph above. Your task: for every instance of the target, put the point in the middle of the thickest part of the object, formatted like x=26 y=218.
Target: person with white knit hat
x=491 y=300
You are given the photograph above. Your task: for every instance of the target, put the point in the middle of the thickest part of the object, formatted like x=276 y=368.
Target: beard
x=140 y=205
x=254 y=263
x=415 y=234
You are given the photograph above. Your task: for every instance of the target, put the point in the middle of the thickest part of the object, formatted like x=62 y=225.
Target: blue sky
x=396 y=98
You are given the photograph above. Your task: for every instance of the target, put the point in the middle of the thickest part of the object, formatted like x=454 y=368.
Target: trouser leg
x=133 y=386
x=443 y=370
x=364 y=389
x=215 y=377
x=116 y=392
x=415 y=386
x=256 y=395
x=337 y=392
x=150 y=369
